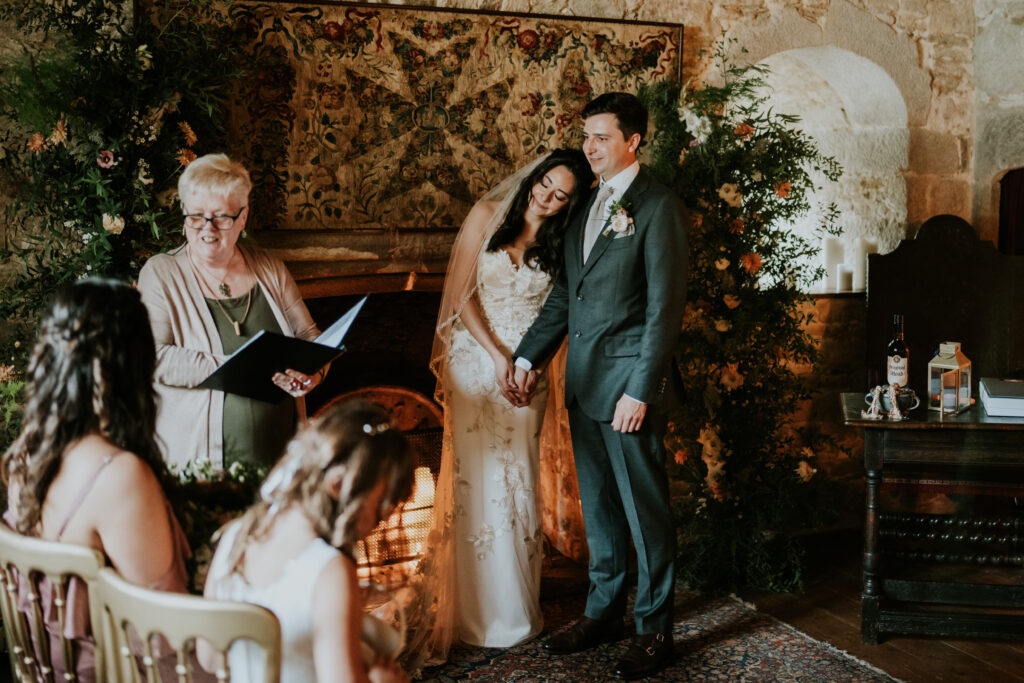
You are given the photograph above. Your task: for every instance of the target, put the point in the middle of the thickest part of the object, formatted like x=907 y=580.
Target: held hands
x=629 y=415
x=525 y=382
x=296 y=383
x=506 y=375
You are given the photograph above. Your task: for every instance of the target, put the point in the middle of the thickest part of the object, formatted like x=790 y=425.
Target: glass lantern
x=949 y=380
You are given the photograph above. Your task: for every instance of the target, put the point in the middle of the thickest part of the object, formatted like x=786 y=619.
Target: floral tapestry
x=394 y=118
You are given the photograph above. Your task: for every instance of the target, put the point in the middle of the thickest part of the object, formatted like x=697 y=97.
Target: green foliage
x=13 y=355
x=746 y=173
x=98 y=122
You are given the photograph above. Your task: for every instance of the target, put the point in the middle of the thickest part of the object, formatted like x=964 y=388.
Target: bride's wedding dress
x=496 y=525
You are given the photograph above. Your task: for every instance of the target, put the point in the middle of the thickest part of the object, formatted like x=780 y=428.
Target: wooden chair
x=31 y=656
x=127 y=610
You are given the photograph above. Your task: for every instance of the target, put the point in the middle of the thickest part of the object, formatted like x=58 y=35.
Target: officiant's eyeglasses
x=196 y=221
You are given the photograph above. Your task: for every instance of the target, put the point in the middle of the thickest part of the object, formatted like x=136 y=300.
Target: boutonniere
x=619 y=220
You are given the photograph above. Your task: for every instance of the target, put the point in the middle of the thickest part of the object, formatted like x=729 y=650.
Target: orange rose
x=745 y=131
x=782 y=189
x=751 y=262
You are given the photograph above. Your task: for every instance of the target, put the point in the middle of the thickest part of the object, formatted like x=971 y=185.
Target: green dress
x=255 y=432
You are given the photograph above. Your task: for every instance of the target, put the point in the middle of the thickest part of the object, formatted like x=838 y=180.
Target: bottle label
x=896 y=370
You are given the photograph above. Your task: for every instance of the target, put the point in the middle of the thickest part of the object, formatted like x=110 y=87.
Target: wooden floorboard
x=828 y=609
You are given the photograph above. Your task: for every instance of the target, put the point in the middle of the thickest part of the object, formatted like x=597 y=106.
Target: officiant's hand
x=296 y=383
x=629 y=414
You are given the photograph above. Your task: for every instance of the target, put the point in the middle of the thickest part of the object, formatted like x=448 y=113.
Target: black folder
x=248 y=370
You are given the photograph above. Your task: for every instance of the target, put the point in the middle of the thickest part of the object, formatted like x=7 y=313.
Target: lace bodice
x=510 y=297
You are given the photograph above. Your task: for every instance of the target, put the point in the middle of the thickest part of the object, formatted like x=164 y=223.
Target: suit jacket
x=622 y=309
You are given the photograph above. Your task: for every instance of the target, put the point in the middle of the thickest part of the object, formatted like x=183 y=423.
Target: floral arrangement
x=745 y=172
x=100 y=110
x=209 y=499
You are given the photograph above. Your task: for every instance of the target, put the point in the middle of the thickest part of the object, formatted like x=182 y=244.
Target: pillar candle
x=844 y=279
x=832 y=256
x=859 y=260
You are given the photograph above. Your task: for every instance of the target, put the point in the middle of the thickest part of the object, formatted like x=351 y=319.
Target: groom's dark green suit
x=622 y=310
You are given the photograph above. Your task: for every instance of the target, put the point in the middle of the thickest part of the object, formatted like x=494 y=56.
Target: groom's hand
x=521 y=377
x=629 y=414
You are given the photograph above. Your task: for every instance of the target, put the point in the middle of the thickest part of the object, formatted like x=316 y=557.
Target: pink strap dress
x=76 y=619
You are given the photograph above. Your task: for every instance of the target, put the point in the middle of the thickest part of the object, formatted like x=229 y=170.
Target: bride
x=481 y=571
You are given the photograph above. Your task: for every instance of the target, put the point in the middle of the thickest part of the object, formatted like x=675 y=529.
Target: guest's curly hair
x=91 y=372
x=355 y=438
x=546 y=251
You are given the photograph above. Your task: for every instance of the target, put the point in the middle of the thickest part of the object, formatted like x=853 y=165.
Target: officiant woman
x=206 y=299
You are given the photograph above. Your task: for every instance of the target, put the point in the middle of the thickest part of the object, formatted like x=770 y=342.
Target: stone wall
x=999 y=114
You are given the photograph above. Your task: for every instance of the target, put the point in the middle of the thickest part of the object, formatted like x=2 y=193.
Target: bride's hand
x=505 y=378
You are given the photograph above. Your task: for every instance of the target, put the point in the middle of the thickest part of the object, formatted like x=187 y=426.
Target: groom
x=622 y=305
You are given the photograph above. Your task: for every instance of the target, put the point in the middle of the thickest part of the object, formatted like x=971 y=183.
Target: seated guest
x=292 y=552
x=86 y=468
x=206 y=299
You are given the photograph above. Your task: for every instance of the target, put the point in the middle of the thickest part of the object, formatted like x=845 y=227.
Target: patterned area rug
x=719 y=639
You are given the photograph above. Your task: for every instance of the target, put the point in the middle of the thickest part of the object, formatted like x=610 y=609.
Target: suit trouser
x=624 y=492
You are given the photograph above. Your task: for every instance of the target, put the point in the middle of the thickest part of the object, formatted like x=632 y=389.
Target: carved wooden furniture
x=949 y=286
x=921 y=571
x=970 y=454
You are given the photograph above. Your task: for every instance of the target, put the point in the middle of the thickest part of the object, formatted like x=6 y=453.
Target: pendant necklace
x=225 y=291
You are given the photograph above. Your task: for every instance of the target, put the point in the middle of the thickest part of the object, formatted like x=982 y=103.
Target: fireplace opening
x=390 y=552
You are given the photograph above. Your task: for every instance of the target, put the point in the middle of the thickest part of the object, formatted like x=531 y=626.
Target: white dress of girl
x=289 y=597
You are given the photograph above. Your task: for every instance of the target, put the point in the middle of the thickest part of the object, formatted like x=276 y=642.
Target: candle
x=859 y=259
x=832 y=256
x=844 y=278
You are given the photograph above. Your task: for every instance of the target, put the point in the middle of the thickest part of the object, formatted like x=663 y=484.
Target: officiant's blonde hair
x=353 y=440
x=218 y=174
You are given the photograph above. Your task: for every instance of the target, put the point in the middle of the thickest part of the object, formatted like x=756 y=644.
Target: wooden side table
x=970 y=453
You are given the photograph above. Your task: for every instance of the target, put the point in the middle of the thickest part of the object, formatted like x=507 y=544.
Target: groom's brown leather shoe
x=582 y=634
x=647 y=654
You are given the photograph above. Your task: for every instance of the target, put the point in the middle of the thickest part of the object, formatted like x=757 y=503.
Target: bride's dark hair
x=546 y=251
x=91 y=372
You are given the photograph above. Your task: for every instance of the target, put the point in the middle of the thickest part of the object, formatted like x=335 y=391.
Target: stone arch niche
x=856 y=113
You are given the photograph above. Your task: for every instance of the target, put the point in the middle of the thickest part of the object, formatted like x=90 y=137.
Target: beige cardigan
x=189 y=420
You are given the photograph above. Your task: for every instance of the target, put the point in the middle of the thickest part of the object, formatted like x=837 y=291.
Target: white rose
x=113 y=224
x=620 y=222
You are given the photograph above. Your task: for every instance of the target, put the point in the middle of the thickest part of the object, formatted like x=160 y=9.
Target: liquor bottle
x=897 y=357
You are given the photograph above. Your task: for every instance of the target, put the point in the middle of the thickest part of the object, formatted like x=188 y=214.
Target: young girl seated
x=86 y=468
x=341 y=474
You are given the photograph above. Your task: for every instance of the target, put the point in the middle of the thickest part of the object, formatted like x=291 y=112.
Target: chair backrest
x=949 y=286
x=127 y=610
x=33 y=560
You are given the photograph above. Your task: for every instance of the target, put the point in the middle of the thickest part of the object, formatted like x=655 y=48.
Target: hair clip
x=374 y=430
